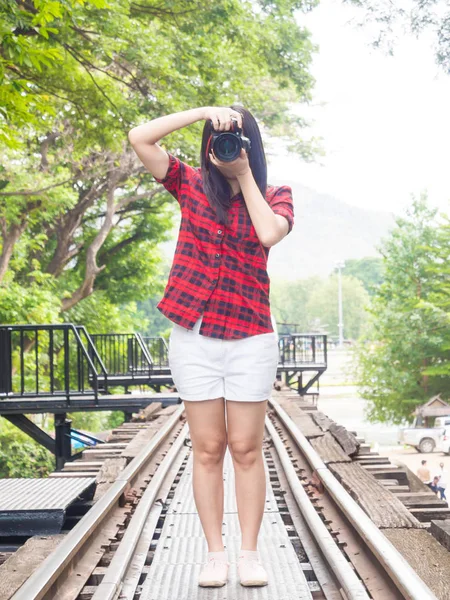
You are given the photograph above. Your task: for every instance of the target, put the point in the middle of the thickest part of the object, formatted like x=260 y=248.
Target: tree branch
x=34 y=192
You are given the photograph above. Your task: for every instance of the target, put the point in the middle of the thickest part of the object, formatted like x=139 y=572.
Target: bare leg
x=245 y=421
x=207 y=428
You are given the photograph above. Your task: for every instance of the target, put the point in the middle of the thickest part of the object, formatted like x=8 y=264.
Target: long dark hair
x=215 y=185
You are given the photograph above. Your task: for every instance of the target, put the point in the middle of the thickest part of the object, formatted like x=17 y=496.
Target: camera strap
x=208 y=146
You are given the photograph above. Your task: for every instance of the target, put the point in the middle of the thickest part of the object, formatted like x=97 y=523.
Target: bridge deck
x=55 y=404
x=182 y=548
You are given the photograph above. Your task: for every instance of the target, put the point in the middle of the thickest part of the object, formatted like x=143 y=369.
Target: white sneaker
x=215 y=572
x=251 y=571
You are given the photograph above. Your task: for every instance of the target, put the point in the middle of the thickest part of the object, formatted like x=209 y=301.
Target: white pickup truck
x=424 y=439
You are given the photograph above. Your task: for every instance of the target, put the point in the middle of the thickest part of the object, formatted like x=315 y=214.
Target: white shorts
x=204 y=368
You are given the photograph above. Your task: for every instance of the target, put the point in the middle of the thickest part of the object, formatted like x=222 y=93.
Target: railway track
x=315 y=539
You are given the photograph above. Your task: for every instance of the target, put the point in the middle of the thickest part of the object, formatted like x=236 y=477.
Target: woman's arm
x=144 y=138
x=270 y=228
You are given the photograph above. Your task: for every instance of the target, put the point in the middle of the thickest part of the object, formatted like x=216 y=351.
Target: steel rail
x=343 y=571
x=46 y=575
x=112 y=582
x=399 y=570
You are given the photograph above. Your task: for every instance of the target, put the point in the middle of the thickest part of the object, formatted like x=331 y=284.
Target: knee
x=211 y=452
x=245 y=453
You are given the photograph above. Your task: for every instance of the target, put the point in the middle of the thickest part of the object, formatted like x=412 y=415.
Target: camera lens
x=227 y=147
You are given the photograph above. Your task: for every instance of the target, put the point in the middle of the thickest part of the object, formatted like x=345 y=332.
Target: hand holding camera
x=238 y=167
x=227 y=144
x=221 y=117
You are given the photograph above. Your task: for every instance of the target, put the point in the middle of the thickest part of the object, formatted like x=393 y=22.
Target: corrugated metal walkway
x=38 y=506
x=181 y=550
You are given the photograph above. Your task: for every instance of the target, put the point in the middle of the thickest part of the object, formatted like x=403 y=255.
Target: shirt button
x=219 y=231
x=217 y=255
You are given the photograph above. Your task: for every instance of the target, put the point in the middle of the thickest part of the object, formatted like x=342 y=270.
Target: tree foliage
x=312 y=304
x=416 y=16
x=80 y=217
x=79 y=214
x=404 y=359
x=368 y=270
x=20 y=456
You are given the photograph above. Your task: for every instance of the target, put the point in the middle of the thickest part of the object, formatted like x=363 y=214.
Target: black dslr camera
x=227 y=144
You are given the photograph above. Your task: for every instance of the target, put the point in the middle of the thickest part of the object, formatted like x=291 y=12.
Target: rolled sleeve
x=178 y=175
x=282 y=204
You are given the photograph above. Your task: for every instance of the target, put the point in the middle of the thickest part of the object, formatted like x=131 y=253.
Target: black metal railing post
x=66 y=364
x=63 y=445
x=5 y=361
x=22 y=364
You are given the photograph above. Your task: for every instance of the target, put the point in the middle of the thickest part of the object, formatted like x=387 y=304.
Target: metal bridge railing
x=47 y=360
x=288 y=328
x=303 y=349
x=65 y=361
x=123 y=354
x=158 y=349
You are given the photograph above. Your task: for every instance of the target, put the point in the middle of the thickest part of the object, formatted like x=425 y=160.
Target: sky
x=384 y=120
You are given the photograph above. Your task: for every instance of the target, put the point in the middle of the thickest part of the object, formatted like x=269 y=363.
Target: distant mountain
x=325 y=230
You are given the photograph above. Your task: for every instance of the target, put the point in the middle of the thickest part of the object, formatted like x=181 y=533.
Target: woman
x=223 y=350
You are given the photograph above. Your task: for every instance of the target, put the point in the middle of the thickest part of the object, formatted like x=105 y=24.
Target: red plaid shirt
x=218 y=270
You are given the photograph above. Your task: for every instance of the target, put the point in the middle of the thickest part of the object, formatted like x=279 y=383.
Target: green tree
x=79 y=214
x=431 y=17
x=20 y=456
x=288 y=300
x=404 y=349
x=437 y=306
x=368 y=270
x=80 y=217
x=312 y=304
x=322 y=305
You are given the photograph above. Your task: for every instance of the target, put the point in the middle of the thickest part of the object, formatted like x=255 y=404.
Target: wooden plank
x=112 y=445
x=387 y=472
x=20 y=565
x=419 y=500
x=108 y=475
x=4 y=556
x=72 y=474
x=149 y=412
x=79 y=575
x=441 y=531
x=302 y=419
x=170 y=409
x=427 y=557
x=322 y=420
x=383 y=507
x=430 y=514
x=415 y=484
x=99 y=454
x=122 y=437
x=346 y=439
x=143 y=437
x=87 y=592
x=371 y=460
x=398 y=489
x=328 y=449
x=84 y=465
